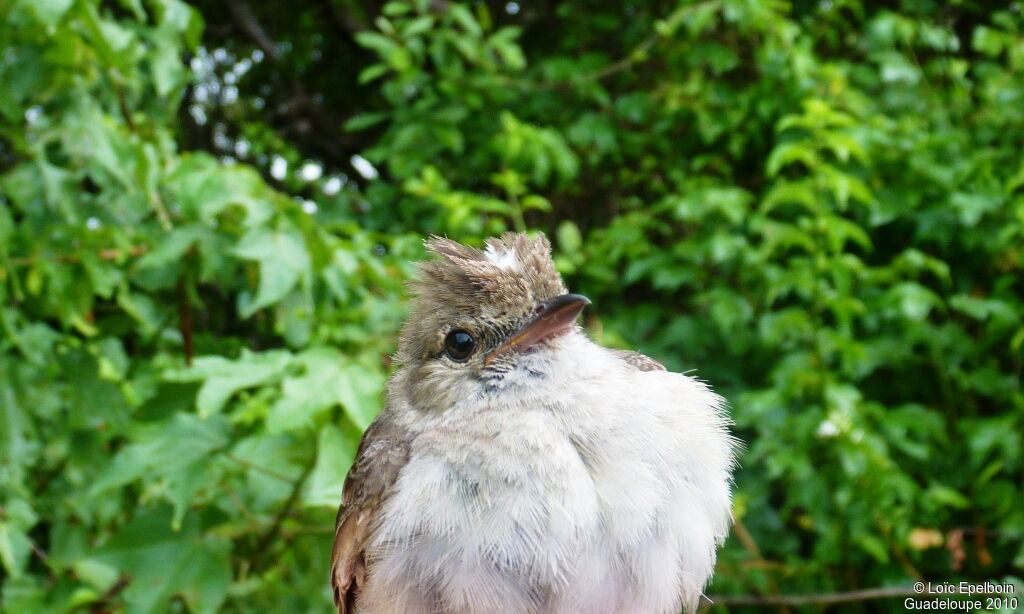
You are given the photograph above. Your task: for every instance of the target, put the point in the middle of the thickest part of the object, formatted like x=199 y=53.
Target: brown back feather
x=638 y=360
x=382 y=454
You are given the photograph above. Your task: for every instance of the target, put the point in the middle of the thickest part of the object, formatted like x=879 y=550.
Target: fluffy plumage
x=558 y=478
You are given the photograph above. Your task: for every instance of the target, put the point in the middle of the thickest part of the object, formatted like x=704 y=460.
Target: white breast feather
x=612 y=493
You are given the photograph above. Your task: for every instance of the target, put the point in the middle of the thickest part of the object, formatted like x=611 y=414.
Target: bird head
x=481 y=319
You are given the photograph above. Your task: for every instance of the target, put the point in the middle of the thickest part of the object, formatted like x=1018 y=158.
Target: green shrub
x=819 y=207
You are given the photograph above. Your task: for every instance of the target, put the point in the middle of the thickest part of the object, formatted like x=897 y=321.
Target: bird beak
x=555 y=315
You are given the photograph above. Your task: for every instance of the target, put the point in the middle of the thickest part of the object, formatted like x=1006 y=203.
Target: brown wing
x=383 y=452
x=638 y=360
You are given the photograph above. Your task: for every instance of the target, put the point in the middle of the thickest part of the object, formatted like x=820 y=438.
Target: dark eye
x=458 y=345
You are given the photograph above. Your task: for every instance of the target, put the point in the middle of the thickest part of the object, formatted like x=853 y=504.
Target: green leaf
x=169 y=73
x=795 y=192
x=360 y=394
x=417 y=26
x=50 y=12
x=372 y=73
x=973 y=206
x=915 y=301
x=785 y=154
x=205 y=189
x=874 y=546
x=462 y=16
x=283 y=261
x=988 y=41
x=944 y=495
x=364 y=121
x=328 y=379
x=383 y=45
x=112 y=359
x=171 y=247
x=18 y=439
x=100 y=576
x=221 y=378
x=146 y=313
x=983 y=308
x=176 y=451
x=569 y=238
x=15 y=547
x=162 y=563
x=335 y=453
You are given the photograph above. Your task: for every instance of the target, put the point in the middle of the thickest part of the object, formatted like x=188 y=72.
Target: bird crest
x=509 y=269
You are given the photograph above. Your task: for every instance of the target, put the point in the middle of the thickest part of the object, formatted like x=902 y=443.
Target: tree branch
x=751 y=546
x=251 y=465
x=185 y=321
x=305 y=116
x=104 y=603
x=347 y=22
x=812 y=598
x=867 y=594
x=248 y=23
x=107 y=253
x=275 y=528
x=639 y=53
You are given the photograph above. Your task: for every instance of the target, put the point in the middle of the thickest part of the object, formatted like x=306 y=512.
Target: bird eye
x=458 y=345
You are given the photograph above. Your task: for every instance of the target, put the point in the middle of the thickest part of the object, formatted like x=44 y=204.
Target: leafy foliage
x=819 y=206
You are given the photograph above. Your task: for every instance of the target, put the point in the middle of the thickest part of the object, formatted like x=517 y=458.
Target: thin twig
x=104 y=603
x=162 y=214
x=107 y=253
x=751 y=546
x=623 y=63
x=301 y=109
x=867 y=594
x=185 y=321
x=251 y=465
x=639 y=53
x=122 y=101
x=275 y=529
x=250 y=25
x=33 y=546
x=237 y=500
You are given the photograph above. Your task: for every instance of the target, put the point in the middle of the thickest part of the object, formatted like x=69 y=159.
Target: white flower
x=827 y=429
x=278 y=168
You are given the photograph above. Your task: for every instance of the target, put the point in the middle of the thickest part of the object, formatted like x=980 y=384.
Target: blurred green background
x=208 y=211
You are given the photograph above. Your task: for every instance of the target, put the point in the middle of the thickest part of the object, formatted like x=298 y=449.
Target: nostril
x=539 y=309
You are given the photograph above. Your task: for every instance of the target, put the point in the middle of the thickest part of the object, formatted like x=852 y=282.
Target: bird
x=519 y=467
